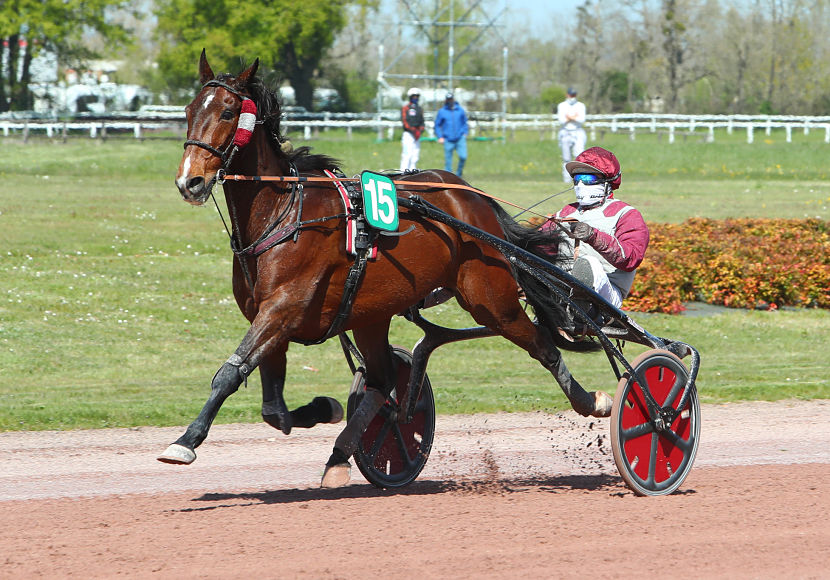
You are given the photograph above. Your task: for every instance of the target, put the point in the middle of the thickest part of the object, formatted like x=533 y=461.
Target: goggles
x=588 y=179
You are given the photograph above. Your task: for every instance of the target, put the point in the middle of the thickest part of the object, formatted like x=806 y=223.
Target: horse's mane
x=269 y=110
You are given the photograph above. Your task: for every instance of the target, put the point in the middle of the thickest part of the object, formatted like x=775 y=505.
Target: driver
x=609 y=237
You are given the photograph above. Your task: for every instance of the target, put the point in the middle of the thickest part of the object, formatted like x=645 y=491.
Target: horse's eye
x=227 y=115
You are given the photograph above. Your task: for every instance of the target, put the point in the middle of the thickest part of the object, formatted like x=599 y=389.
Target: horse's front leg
x=225 y=382
x=274 y=410
x=265 y=335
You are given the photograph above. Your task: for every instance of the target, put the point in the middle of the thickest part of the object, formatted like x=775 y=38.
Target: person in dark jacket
x=451 y=130
x=412 y=118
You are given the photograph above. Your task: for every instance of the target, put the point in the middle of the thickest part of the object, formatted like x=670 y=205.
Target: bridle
x=226 y=154
x=269 y=237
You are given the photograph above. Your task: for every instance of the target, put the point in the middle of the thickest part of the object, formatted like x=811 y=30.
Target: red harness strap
x=351 y=228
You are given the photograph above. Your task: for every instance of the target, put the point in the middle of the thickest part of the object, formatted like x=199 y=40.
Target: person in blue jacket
x=451 y=130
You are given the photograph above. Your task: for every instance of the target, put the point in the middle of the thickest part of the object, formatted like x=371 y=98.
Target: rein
x=272 y=236
x=423 y=185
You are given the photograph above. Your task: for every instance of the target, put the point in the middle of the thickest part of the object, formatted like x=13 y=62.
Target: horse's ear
x=205 y=72
x=246 y=75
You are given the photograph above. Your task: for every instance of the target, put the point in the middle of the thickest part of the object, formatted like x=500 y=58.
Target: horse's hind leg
x=274 y=411
x=381 y=375
x=496 y=305
x=594 y=403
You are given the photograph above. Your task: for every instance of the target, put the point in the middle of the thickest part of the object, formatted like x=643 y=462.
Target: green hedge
x=743 y=263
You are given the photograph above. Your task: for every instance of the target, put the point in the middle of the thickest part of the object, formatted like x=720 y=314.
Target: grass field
x=116 y=307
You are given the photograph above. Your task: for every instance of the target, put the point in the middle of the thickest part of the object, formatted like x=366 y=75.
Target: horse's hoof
x=178 y=454
x=602 y=404
x=336 y=410
x=336 y=475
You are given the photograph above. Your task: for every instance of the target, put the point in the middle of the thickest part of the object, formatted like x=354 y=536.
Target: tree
x=620 y=91
x=292 y=37
x=350 y=67
x=581 y=62
x=674 y=49
x=30 y=26
x=533 y=70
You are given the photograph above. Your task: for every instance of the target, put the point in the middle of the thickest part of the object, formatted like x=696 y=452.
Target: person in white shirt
x=412 y=117
x=572 y=138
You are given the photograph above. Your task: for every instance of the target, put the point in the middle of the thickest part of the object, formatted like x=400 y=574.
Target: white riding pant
x=602 y=285
x=410 y=151
x=571 y=143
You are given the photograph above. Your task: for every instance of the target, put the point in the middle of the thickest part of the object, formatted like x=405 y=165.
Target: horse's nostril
x=195 y=184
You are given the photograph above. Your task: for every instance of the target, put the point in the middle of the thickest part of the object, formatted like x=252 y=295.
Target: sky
x=538 y=15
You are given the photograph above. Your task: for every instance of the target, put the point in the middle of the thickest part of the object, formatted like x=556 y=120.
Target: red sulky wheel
x=392 y=454
x=652 y=461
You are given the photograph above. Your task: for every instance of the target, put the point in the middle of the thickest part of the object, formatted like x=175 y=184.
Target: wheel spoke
x=677 y=440
x=401 y=444
x=636 y=431
x=679 y=383
x=652 y=458
x=378 y=442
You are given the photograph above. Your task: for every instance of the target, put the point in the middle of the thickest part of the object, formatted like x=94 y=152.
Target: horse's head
x=222 y=106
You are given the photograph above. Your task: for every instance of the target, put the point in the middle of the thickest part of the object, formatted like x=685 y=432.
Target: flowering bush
x=744 y=263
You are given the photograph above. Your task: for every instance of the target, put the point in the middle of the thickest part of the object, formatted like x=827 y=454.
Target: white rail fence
x=146 y=123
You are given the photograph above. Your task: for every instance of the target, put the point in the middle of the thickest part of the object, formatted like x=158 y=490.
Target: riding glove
x=583 y=232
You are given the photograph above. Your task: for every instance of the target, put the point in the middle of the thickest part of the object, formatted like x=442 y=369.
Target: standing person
x=412 y=117
x=613 y=234
x=572 y=138
x=451 y=130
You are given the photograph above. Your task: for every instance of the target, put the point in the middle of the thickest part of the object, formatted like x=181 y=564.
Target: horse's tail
x=549 y=309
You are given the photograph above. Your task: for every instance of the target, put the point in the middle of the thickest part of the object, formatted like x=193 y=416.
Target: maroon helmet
x=598 y=161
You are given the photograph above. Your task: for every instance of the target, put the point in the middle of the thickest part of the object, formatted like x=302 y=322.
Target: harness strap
x=282 y=235
x=353 y=280
x=364 y=249
x=437 y=185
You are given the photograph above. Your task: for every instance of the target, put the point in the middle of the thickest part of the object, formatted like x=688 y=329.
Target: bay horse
x=292 y=290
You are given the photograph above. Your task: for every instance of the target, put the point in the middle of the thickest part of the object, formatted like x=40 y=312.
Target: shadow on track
x=608 y=483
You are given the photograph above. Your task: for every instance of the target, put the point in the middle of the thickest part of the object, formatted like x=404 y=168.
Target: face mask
x=589 y=194
x=413 y=100
x=571 y=100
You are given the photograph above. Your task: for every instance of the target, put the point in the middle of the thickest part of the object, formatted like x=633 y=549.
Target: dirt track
x=502 y=496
